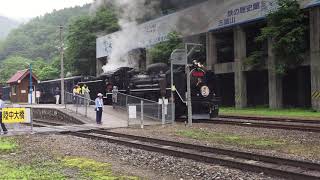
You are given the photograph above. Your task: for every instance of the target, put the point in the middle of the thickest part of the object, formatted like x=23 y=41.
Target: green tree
x=287 y=27
x=11 y=65
x=162 y=51
x=81 y=40
x=40 y=36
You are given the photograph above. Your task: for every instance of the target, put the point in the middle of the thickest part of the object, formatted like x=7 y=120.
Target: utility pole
x=62 y=64
x=30 y=83
x=187 y=71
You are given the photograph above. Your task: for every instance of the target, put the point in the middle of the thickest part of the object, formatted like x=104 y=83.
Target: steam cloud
x=129 y=13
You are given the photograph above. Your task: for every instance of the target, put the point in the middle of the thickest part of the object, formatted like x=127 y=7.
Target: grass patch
x=93 y=170
x=231 y=139
x=12 y=171
x=7 y=145
x=266 y=112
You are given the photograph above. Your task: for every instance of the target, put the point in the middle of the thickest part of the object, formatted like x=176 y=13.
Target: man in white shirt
x=2 y=105
x=99 y=108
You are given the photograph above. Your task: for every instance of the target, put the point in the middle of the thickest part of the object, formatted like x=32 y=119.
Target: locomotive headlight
x=205 y=91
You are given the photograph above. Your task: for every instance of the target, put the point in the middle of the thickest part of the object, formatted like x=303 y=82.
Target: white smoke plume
x=129 y=13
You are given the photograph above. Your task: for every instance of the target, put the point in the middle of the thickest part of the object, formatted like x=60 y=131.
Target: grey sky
x=25 y=9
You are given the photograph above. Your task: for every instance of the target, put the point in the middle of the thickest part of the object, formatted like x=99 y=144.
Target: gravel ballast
x=296 y=139
x=145 y=164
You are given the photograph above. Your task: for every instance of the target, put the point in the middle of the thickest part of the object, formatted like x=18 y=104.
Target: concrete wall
x=315 y=56
x=55 y=115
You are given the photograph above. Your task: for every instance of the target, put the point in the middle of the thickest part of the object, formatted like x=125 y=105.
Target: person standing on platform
x=86 y=91
x=99 y=108
x=57 y=95
x=2 y=105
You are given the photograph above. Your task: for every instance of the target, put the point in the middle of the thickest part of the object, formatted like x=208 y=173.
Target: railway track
x=271 y=119
x=287 y=125
x=281 y=167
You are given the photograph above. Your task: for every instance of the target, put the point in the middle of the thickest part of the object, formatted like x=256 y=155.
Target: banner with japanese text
x=16 y=115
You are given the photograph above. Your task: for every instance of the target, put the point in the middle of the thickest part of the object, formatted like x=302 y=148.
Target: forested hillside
x=6 y=25
x=37 y=42
x=39 y=37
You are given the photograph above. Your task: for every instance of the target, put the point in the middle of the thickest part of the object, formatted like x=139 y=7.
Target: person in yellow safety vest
x=78 y=90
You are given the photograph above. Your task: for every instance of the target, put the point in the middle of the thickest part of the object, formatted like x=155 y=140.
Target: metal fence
x=78 y=103
x=144 y=107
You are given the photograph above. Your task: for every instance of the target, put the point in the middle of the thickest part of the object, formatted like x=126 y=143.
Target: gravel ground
x=145 y=164
x=294 y=138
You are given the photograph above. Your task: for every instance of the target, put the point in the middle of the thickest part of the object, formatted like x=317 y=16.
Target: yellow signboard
x=15 y=115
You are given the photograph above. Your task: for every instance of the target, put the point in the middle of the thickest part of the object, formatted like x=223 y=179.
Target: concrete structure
x=315 y=56
x=230 y=28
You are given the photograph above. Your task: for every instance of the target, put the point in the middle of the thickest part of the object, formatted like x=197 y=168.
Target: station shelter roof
x=20 y=75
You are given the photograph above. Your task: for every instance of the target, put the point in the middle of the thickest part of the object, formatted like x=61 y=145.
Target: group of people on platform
x=83 y=91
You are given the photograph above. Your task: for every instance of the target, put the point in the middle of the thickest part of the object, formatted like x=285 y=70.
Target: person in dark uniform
x=2 y=105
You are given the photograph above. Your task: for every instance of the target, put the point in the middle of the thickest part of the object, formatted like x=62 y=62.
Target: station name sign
x=16 y=115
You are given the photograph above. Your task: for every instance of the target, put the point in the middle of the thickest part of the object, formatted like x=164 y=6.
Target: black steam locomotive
x=147 y=85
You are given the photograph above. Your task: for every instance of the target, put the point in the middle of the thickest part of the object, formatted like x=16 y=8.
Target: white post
x=163 y=112
x=142 y=124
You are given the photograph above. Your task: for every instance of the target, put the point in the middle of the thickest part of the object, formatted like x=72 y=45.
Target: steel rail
x=272 y=119
x=273 y=125
x=287 y=168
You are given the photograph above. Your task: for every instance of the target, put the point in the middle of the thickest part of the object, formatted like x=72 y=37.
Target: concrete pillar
x=275 y=81
x=240 y=79
x=315 y=57
x=211 y=50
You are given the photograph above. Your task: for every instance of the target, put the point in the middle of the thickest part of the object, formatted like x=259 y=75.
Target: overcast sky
x=25 y=9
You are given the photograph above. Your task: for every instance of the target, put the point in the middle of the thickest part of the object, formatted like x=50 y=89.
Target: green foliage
x=266 y=112
x=7 y=145
x=13 y=171
x=40 y=36
x=287 y=27
x=162 y=51
x=42 y=69
x=11 y=65
x=255 y=60
x=81 y=40
x=91 y=169
x=231 y=139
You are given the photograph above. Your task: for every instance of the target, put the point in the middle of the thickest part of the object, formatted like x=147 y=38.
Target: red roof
x=19 y=76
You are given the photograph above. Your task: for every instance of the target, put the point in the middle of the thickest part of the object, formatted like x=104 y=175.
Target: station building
x=228 y=29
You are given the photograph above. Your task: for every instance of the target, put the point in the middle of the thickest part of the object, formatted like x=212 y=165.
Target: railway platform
x=111 y=118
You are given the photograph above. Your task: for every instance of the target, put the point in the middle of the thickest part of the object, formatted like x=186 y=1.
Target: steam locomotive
x=205 y=103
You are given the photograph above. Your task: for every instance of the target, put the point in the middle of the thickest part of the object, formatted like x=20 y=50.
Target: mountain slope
x=6 y=25
x=39 y=38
